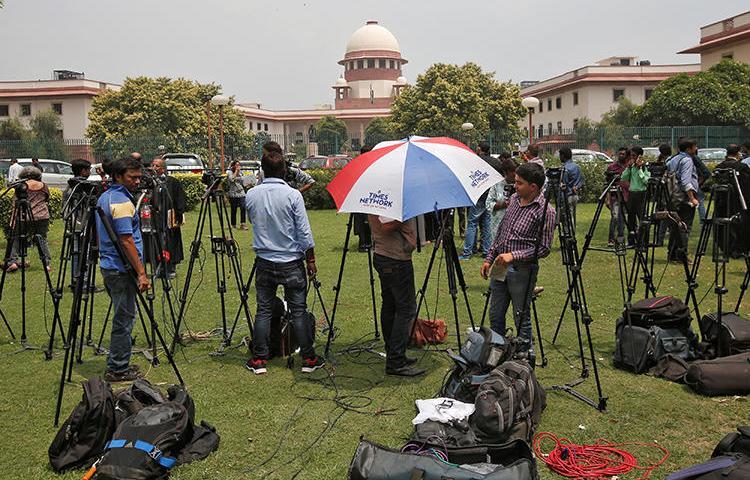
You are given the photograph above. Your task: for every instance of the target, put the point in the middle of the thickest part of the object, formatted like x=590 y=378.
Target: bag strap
x=147 y=448
x=725 y=444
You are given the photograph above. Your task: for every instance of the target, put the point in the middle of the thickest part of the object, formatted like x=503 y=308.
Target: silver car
x=55 y=173
x=589 y=156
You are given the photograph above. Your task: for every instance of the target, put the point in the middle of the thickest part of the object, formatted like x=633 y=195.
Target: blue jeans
x=399 y=306
x=617 y=221
x=122 y=291
x=701 y=206
x=268 y=276
x=513 y=289
x=478 y=218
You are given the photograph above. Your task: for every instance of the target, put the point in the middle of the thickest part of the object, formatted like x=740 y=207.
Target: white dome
x=341 y=82
x=372 y=37
x=401 y=81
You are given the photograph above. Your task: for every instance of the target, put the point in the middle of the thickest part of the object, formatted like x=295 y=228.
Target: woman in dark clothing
x=236 y=193
x=36 y=228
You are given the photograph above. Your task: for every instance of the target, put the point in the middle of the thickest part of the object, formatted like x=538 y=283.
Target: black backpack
x=82 y=437
x=665 y=311
x=735 y=442
x=145 y=445
x=133 y=399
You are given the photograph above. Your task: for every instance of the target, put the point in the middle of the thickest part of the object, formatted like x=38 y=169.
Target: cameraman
x=638 y=177
x=118 y=205
x=739 y=241
x=617 y=219
x=294 y=177
x=81 y=171
x=687 y=177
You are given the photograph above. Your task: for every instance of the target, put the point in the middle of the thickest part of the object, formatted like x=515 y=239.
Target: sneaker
x=405 y=371
x=611 y=243
x=309 y=365
x=12 y=267
x=464 y=257
x=125 y=376
x=257 y=365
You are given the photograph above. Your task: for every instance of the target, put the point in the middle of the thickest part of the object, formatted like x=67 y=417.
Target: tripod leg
x=562 y=316
x=7 y=325
x=743 y=287
x=104 y=327
x=337 y=287
x=155 y=327
x=487 y=295
x=372 y=291
x=452 y=288
x=243 y=305
x=538 y=331
x=443 y=218
x=460 y=276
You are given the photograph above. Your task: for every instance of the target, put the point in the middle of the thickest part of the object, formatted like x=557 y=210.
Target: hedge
x=194 y=188
x=6 y=205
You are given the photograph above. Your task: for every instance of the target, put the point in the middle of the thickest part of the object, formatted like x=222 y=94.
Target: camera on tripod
x=209 y=177
x=554 y=174
x=610 y=176
x=657 y=170
x=724 y=176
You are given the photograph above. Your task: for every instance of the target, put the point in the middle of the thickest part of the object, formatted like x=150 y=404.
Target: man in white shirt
x=14 y=170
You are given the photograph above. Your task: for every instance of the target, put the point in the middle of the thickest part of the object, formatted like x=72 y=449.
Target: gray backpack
x=677 y=195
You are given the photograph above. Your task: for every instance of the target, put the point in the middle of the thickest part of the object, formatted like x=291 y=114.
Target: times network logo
x=478 y=177
x=377 y=199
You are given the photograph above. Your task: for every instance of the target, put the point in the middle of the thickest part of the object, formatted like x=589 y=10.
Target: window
x=393 y=64
x=549 y=129
x=617 y=93
x=25 y=109
x=265 y=127
x=558 y=103
x=57 y=108
x=351 y=65
x=370 y=63
x=381 y=63
x=575 y=98
x=3 y=110
x=360 y=64
x=559 y=127
x=541 y=130
x=575 y=123
x=549 y=104
x=531 y=110
x=647 y=93
x=728 y=55
x=258 y=126
x=541 y=107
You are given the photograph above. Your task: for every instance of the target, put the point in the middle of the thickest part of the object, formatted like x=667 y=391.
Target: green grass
x=292 y=423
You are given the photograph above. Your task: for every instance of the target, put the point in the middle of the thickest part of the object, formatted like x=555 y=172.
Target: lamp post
x=220 y=101
x=467 y=127
x=531 y=103
x=208 y=118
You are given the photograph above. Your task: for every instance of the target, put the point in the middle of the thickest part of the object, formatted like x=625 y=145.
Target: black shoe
x=405 y=371
x=309 y=365
x=125 y=376
x=410 y=361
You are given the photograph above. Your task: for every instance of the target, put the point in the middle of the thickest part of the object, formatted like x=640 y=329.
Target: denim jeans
x=701 y=206
x=480 y=219
x=291 y=275
x=513 y=289
x=399 y=306
x=617 y=221
x=678 y=239
x=122 y=291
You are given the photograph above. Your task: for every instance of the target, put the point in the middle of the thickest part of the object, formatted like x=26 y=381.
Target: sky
x=283 y=54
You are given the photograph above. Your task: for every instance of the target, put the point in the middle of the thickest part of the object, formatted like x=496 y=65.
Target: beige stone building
x=728 y=38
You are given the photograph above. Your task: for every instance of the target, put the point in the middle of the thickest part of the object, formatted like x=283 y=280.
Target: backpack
x=735 y=442
x=677 y=195
x=729 y=338
x=83 y=436
x=639 y=348
x=665 y=311
x=132 y=400
x=145 y=445
x=726 y=467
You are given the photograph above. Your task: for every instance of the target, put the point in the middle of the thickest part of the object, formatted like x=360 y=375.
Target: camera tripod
x=725 y=194
x=88 y=235
x=572 y=262
x=22 y=221
x=221 y=246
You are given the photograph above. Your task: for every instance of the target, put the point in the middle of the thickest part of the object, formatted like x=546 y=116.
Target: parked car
x=712 y=155
x=589 y=156
x=55 y=173
x=320 y=161
x=651 y=152
x=184 y=163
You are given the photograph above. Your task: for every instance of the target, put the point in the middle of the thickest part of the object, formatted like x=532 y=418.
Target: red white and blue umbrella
x=405 y=178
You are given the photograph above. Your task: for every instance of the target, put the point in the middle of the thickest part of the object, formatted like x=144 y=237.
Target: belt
x=525 y=262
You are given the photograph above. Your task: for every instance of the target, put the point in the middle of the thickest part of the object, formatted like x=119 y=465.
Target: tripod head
x=19 y=187
x=657 y=170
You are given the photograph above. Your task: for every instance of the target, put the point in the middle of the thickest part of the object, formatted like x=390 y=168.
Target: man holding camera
x=683 y=168
x=515 y=252
x=294 y=177
x=118 y=205
x=283 y=244
x=615 y=204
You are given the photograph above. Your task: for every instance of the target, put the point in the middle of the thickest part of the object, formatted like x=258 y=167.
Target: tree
x=331 y=134
x=717 y=96
x=46 y=125
x=620 y=115
x=148 y=112
x=379 y=129
x=447 y=96
x=12 y=129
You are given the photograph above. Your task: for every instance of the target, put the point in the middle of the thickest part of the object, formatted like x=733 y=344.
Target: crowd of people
x=511 y=226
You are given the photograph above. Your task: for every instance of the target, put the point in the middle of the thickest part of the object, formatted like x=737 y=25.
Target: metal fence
x=247 y=148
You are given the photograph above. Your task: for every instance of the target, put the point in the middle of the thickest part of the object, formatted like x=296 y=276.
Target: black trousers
x=399 y=306
x=635 y=211
x=237 y=203
x=678 y=238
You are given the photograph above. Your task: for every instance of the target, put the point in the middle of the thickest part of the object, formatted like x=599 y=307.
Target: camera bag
x=726 y=467
x=665 y=311
x=720 y=376
x=730 y=337
x=638 y=348
x=735 y=442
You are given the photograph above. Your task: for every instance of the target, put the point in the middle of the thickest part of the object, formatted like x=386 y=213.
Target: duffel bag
x=725 y=467
x=511 y=461
x=638 y=348
x=735 y=442
x=720 y=376
x=666 y=311
x=729 y=338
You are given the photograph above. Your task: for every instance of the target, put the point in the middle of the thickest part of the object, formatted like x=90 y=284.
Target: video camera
x=657 y=170
x=554 y=174
x=610 y=176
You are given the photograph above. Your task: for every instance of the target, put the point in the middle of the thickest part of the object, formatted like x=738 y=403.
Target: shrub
x=194 y=188
x=594 y=181
x=6 y=206
x=318 y=198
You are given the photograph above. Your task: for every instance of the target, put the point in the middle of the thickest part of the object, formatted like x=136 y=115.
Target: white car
x=589 y=156
x=185 y=163
x=55 y=173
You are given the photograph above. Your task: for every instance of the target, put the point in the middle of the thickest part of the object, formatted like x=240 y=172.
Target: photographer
x=281 y=239
x=118 y=205
x=638 y=177
x=682 y=166
x=497 y=198
x=515 y=251
x=36 y=229
x=175 y=204
x=617 y=219
x=572 y=181
x=294 y=177
x=236 y=193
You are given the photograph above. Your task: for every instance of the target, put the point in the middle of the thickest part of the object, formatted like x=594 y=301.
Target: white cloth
x=13 y=171
x=443 y=410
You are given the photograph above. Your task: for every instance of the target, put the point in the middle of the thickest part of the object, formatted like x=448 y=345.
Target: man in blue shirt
x=684 y=169
x=119 y=207
x=572 y=181
x=283 y=244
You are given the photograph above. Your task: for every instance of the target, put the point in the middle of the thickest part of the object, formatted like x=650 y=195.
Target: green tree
x=622 y=115
x=331 y=134
x=148 y=112
x=47 y=141
x=13 y=129
x=447 y=96
x=717 y=96
x=379 y=129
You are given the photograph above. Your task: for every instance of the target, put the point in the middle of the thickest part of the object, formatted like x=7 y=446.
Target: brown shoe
x=125 y=376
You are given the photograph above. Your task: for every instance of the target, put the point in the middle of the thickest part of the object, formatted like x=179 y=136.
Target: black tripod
x=453 y=269
x=725 y=194
x=572 y=261
x=88 y=236
x=224 y=246
x=337 y=287
x=613 y=193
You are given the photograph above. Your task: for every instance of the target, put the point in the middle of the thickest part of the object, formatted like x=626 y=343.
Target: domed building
x=371 y=79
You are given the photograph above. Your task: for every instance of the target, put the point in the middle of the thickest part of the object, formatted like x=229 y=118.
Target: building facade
x=591 y=91
x=728 y=38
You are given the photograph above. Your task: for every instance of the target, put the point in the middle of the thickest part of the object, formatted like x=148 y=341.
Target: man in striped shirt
x=516 y=249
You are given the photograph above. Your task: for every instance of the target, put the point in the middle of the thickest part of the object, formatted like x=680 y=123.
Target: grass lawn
x=286 y=425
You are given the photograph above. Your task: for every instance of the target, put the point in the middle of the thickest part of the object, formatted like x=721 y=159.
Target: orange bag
x=429 y=331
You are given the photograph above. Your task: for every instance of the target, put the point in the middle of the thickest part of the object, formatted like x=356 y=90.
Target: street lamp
x=467 y=127
x=531 y=103
x=220 y=101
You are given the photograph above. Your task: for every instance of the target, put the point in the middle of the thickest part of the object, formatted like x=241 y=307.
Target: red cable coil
x=601 y=460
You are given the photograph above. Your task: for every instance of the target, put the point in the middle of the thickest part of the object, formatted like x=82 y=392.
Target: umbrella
x=405 y=178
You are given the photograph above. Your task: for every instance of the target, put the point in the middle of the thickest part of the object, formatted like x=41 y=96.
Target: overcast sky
x=283 y=53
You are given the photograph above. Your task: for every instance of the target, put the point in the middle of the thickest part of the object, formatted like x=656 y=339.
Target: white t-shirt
x=13 y=171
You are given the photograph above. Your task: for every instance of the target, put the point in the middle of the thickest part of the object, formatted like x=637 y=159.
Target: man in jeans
x=393 y=243
x=119 y=207
x=616 y=206
x=479 y=217
x=572 y=181
x=682 y=166
x=284 y=249
x=515 y=251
